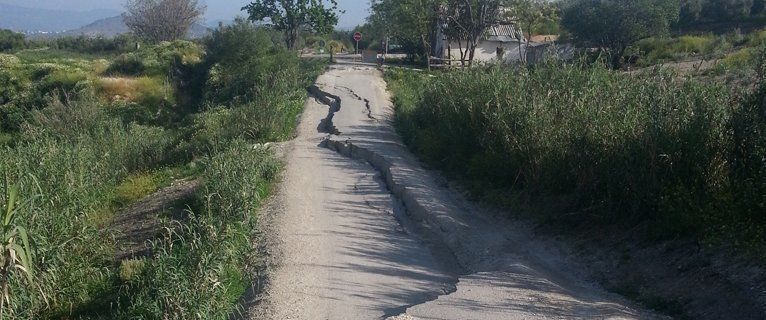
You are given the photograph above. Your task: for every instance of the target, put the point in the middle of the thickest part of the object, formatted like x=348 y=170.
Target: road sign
x=357 y=37
x=322 y=43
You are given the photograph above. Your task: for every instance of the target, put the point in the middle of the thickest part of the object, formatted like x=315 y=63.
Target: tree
x=723 y=10
x=614 y=25
x=293 y=16
x=11 y=41
x=468 y=20
x=411 y=23
x=162 y=20
x=758 y=7
x=531 y=13
x=691 y=11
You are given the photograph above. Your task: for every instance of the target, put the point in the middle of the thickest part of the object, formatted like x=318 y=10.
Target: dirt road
x=364 y=232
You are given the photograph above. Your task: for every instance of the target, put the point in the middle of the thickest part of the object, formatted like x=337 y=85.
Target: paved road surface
x=363 y=232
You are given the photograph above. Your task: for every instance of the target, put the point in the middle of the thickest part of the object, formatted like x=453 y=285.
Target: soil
x=136 y=225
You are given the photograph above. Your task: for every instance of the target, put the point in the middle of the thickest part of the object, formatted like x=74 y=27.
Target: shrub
x=131 y=270
x=134 y=188
x=622 y=148
x=88 y=44
x=126 y=64
x=79 y=154
x=199 y=270
x=694 y=44
x=9 y=61
x=757 y=38
x=11 y=41
x=158 y=60
x=744 y=58
x=657 y=50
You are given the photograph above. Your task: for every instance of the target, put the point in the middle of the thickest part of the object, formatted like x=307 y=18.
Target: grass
x=198 y=271
x=146 y=91
x=658 y=50
x=602 y=146
x=83 y=155
x=135 y=187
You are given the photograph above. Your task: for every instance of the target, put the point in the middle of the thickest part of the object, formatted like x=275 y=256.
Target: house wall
x=486 y=52
x=540 y=53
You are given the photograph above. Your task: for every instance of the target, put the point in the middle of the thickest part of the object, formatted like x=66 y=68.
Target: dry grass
x=143 y=90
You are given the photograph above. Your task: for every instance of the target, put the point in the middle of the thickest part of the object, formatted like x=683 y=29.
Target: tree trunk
x=291 y=36
x=521 y=56
x=426 y=50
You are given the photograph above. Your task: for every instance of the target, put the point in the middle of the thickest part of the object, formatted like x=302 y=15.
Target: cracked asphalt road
x=344 y=254
x=346 y=248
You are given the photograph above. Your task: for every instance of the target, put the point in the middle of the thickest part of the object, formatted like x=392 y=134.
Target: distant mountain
x=114 y=26
x=30 y=20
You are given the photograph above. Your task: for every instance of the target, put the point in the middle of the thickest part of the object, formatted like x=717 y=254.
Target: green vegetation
x=85 y=134
x=716 y=11
x=729 y=47
x=11 y=41
x=199 y=268
x=616 y=25
x=586 y=145
x=293 y=16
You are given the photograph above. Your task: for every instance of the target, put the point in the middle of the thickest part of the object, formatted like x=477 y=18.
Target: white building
x=500 y=43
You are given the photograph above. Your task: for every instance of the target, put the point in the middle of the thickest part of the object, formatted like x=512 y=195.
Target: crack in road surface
x=334 y=104
x=358 y=97
x=366 y=233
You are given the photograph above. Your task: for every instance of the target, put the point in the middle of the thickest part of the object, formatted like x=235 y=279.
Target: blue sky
x=356 y=10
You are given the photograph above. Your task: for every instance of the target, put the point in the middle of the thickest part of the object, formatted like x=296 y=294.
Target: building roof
x=504 y=33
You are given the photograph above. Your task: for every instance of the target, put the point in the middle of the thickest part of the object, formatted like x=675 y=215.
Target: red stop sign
x=358 y=36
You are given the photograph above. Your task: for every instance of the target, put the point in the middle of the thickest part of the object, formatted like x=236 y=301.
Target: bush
x=622 y=148
x=9 y=61
x=92 y=45
x=261 y=82
x=11 y=41
x=158 y=60
x=199 y=270
x=745 y=58
x=78 y=155
x=657 y=50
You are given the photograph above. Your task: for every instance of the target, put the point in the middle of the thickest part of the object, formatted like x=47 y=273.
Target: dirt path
x=139 y=223
x=364 y=232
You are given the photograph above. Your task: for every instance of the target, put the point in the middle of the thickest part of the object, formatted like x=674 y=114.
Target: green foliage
x=15 y=248
x=658 y=49
x=134 y=188
x=260 y=84
x=132 y=270
x=94 y=153
x=80 y=155
x=532 y=14
x=197 y=270
x=615 y=24
x=11 y=41
x=410 y=23
x=733 y=48
x=161 y=59
x=719 y=11
x=293 y=16
x=89 y=45
x=9 y=61
x=619 y=148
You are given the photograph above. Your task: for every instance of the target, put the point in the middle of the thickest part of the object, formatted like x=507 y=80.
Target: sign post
x=357 y=37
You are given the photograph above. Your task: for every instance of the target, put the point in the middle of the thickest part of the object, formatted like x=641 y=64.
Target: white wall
x=486 y=52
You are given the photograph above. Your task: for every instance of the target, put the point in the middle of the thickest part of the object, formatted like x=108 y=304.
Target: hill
x=114 y=26
x=34 y=21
